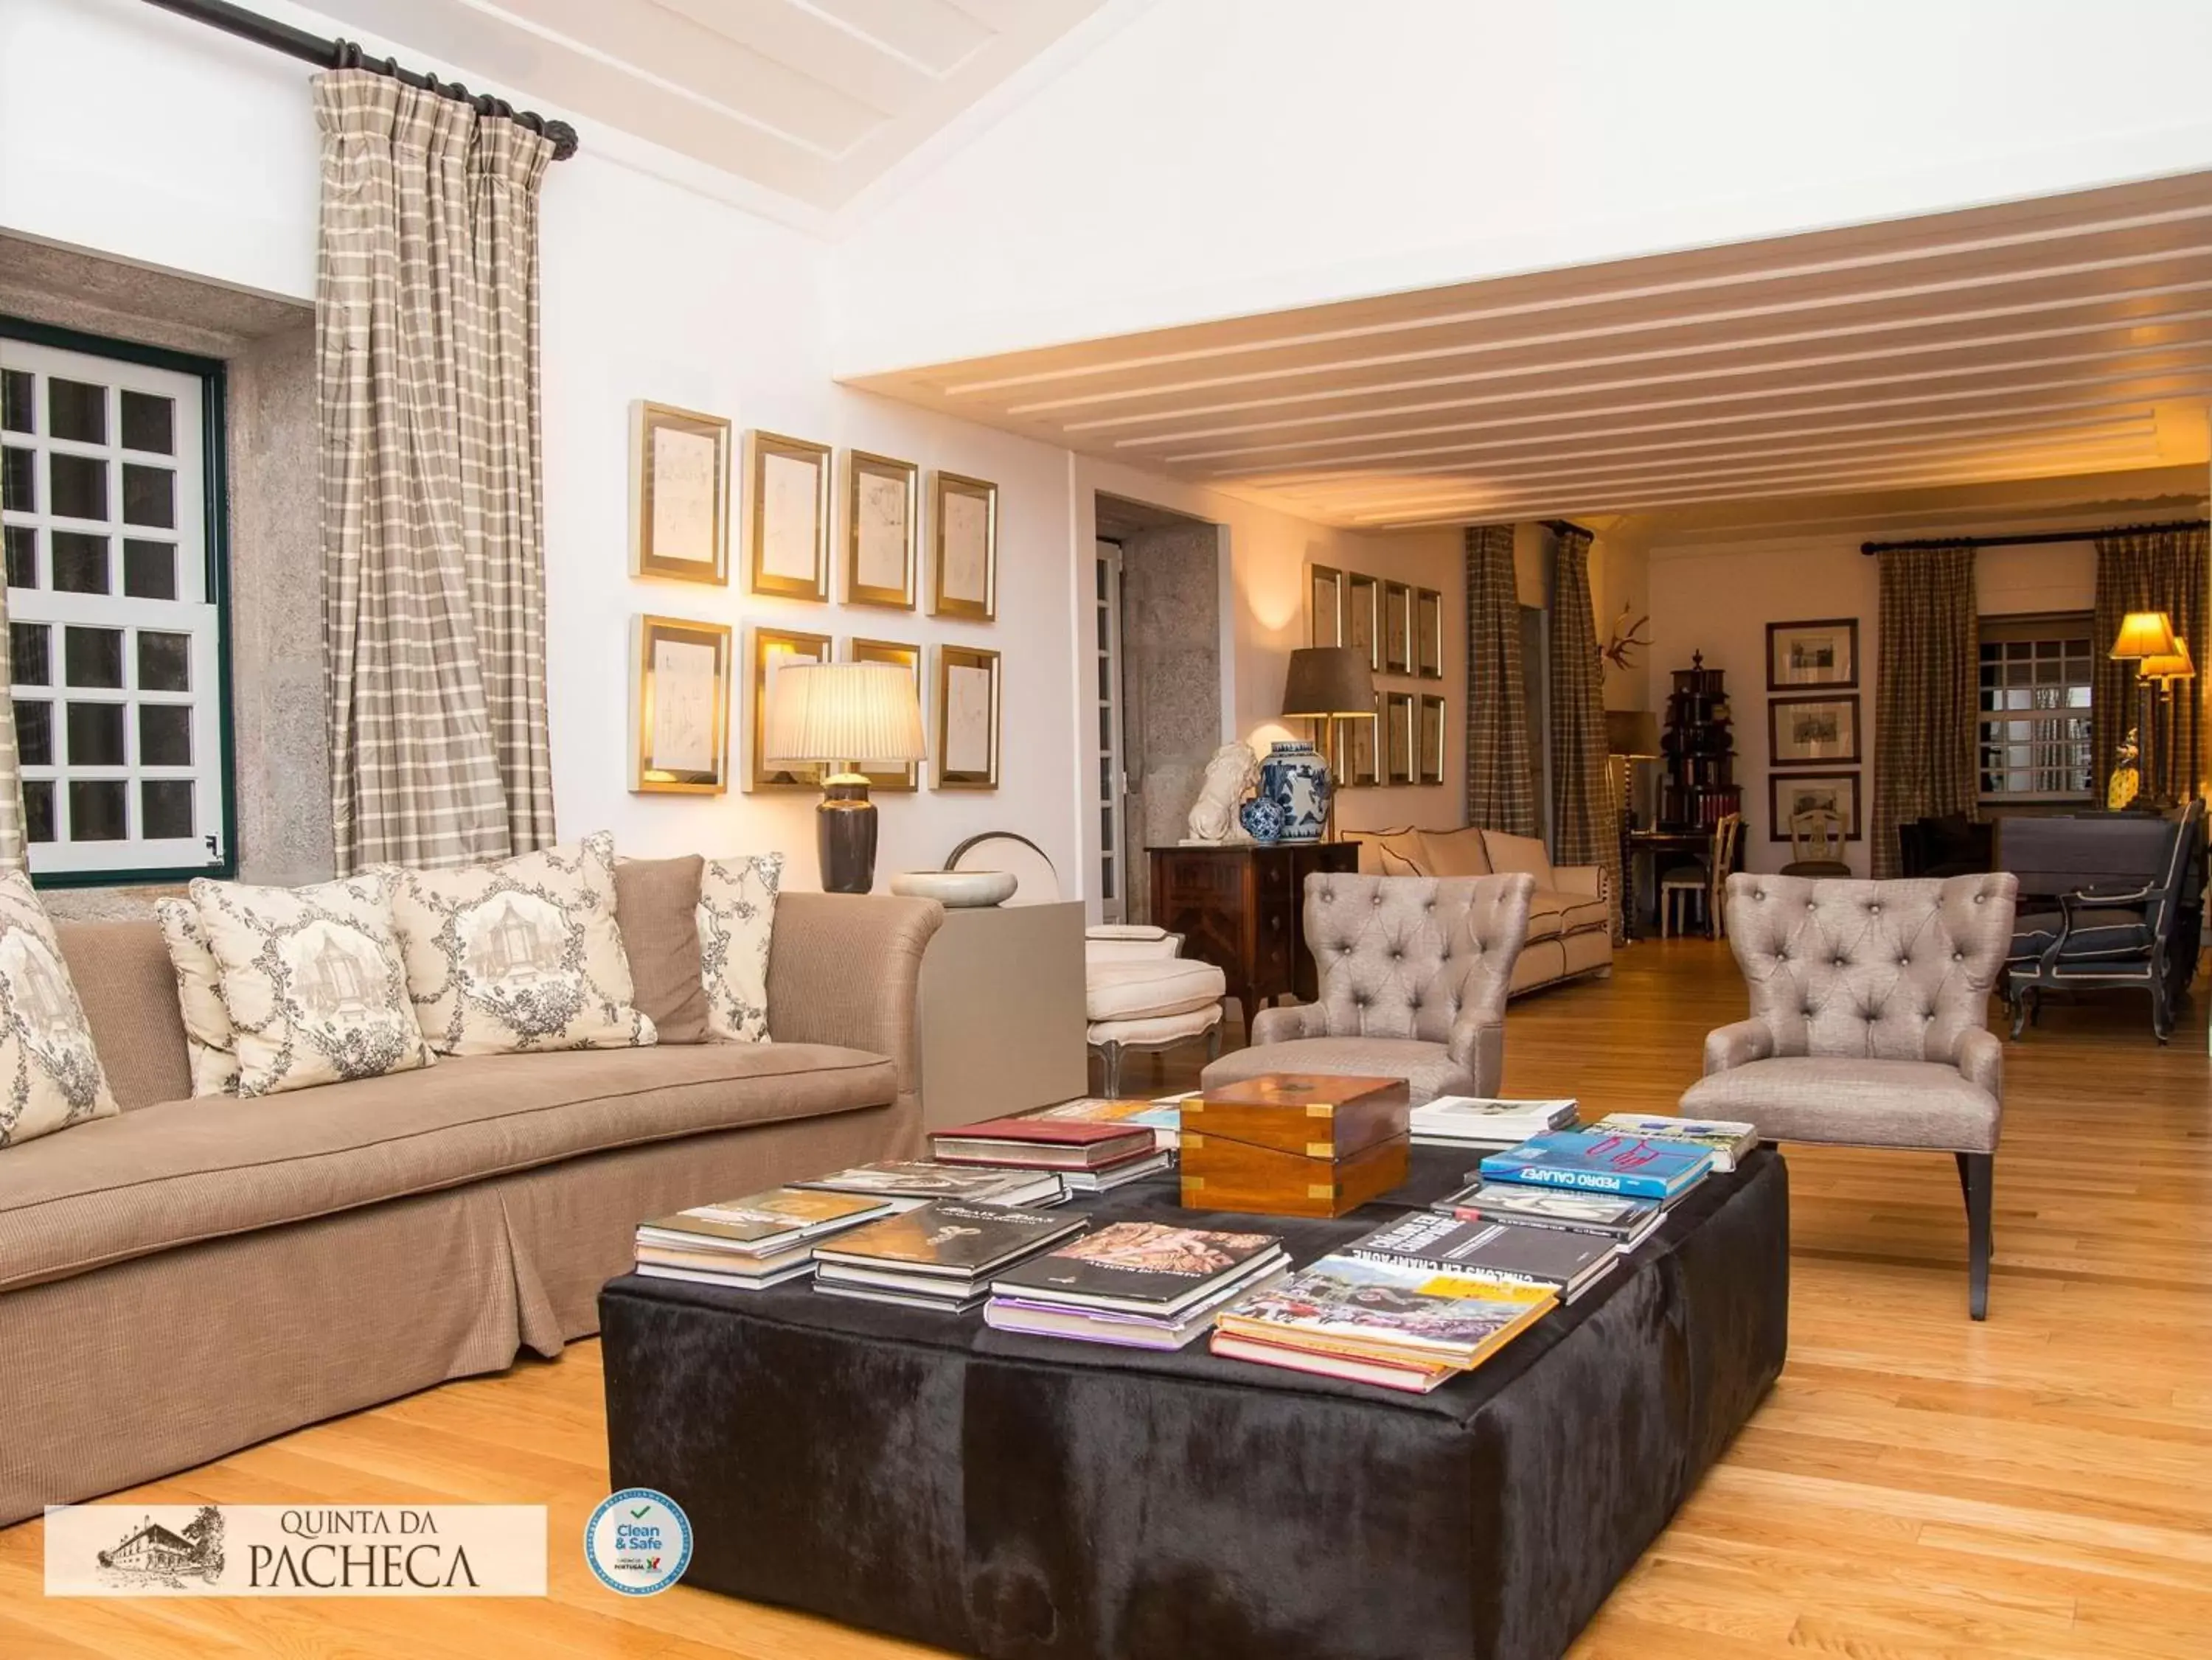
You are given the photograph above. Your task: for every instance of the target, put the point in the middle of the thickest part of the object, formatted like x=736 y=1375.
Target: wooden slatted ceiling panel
x=2060 y=335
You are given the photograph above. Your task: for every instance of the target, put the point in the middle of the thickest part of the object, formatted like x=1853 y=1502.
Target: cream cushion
x=314 y=981
x=1156 y=1029
x=52 y=1073
x=1378 y=847
x=1454 y=853
x=1137 y=989
x=210 y=1045
x=524 y=954
x=737 y=918
x=1526 y=853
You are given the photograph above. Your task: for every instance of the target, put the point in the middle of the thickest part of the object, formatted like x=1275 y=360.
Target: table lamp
x=844 y=715
x=1631 y=734
x=1329 y=683
x=2146 y=637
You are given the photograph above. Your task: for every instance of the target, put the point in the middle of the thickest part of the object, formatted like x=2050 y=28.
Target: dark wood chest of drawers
x=1242 y=908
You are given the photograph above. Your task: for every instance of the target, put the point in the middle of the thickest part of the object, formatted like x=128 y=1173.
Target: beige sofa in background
x=1570 y=919
x=191 y=1276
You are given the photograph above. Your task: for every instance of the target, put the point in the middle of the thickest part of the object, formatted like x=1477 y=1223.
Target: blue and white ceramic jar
x=1296 y=778
x=1262 y=819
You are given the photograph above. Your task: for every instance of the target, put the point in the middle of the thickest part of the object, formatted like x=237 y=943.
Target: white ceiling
x=2061 y=336
x=812 y=99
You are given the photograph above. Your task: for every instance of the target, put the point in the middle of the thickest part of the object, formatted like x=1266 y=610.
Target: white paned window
x=2037 y=674
x=116 y=637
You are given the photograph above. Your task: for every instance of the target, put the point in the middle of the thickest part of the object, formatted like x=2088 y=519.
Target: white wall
x=1719 y=599
x=1277 y=153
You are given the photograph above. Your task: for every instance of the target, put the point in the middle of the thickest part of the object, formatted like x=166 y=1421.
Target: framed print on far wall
x=1428 y=740
x=1819 y=653
x=908 y=657
x=772 y=649
x=1353 y=762
x=679 y=495
x=790 y=508
x=679 y=707
x=1398 y=738
x=1428 y=633
x=1397 y=628
x=1324 y=606
x=1807 y=731
x=882 y=526
x=1790 y=793
x=964 y=579
x=967 y=718
x=1363 y=619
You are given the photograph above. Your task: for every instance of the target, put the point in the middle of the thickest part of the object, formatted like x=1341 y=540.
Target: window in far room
x=2036 y=673
x=110 y=496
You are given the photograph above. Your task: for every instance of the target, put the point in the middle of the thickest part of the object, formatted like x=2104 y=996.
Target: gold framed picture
x=772 y=648
x=1428 y=633
x=1353 y=763
x=1324 y=606
x=967 y=711
x=908 y=657
x=1397 y=628
x=789 y=507
x=1428 y=740
x=1363 y=618
x=679 y=495
x=882 y=526
x=679 y=706
x=1397 y=738
x=964 y=575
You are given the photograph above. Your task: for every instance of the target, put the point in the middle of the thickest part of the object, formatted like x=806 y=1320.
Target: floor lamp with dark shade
x=1329 y=683
x=1631 y=735
x=2145 y=637
x=843 y=716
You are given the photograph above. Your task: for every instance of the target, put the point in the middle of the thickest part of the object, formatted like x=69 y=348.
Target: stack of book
x=1372 y=1323
x=942 y=1256
x=1142 y=1285
x=907 y=1184
x=1567 y=1264
x=749 y=1244
x=1476 y=1121
x=1727 y=1139
x=1623 y=1224
x=1163 y=1118
x=1089 y=1156
x=1599 y=1162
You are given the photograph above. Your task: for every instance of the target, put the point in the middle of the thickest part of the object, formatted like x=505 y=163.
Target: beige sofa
x=194 y=1275
x=1569 y=915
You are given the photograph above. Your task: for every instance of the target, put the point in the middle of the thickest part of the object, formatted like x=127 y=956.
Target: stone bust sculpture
x=1229 y=777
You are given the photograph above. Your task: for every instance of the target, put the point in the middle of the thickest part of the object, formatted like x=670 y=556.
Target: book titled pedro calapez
x=1597 y=1162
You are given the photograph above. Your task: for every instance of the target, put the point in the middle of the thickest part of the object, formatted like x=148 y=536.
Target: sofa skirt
x=153 y=1366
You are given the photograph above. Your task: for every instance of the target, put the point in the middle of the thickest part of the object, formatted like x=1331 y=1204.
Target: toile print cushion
x=521 y=955
x=209 y=1041
x=50 y=1074
x=737 y=911
x=313 y=981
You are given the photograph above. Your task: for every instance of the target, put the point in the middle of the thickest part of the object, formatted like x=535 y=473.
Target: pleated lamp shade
x=2145 y=634
x=2176 y=665
x=861 y=714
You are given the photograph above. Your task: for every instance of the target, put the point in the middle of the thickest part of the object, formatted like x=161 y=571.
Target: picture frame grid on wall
x=1429 y=739
x=969 y=712
x=1363 y=618
x=1790 y=793
x=1429 y=634
x=679 y=706
x=1397 y=738
x=1324 y=605
x=883 y=530
x=788 y=511
x=770 y=648
x=1397 y=628
x=964 y=567
x=1821 y=652
x=1813 y=731
x=679 y=493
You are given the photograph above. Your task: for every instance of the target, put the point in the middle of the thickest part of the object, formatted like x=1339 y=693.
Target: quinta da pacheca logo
x=295 y=1550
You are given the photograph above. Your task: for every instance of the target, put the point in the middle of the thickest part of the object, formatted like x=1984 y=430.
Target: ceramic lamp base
x=845 y=838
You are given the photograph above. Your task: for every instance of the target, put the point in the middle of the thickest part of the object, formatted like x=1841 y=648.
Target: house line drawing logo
x=152 y=1553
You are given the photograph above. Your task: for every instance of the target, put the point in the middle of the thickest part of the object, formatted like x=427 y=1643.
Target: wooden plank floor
x=1917 y=1487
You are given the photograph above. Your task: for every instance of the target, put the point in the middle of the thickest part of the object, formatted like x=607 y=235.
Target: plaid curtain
x=426 y=323
x=1925 y=695
x=1501 y=791
x=2149 y=570
x=1585 y=824
x=14 y=850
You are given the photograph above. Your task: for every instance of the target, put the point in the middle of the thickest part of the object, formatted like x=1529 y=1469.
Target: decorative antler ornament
x=1625 y=638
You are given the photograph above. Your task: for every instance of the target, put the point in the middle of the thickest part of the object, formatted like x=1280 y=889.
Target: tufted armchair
x=1869 y=1027
x=1414 y=974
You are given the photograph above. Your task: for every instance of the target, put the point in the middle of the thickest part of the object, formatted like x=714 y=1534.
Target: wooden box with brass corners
x=1294 y=1144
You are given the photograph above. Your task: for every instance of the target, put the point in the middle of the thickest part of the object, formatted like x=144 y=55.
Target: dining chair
x=1816 y=843
x=1702 y=881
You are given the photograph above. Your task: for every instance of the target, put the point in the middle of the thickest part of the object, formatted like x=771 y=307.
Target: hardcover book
x=728 y=1281
x=908 y=1183
x=1042 y=1143
x=1598 y=1162
x=1413 y=1376
x=1616 y=1218
x=761 y=1221
x=1042 y=1318
x=1727 y=1139
x=1372 y=1311
x=1143 y=1267
x=951 y=1238
x=1483 y=1118
x=1490 y=1249
x=1155 y=1115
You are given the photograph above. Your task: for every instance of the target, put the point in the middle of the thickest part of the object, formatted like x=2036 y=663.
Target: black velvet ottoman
x=1027 y=1498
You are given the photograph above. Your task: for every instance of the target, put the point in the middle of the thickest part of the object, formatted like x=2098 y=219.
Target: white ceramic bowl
x=957 y=889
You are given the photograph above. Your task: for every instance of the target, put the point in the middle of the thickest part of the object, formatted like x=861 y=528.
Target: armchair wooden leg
x=1977 y=1181
x=1214 y=1041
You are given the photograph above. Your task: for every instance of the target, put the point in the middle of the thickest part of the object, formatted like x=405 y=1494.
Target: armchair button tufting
x=1958 y=956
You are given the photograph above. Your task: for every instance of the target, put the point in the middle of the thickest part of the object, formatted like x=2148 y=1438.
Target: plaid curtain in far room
x=427 y=333
x=1585 y=823
x=1925 y=693
x=1501 y=789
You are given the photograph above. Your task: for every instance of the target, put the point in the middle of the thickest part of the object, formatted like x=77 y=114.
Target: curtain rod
x=347 y=55
x=2034 y=538
x=1562 y=526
